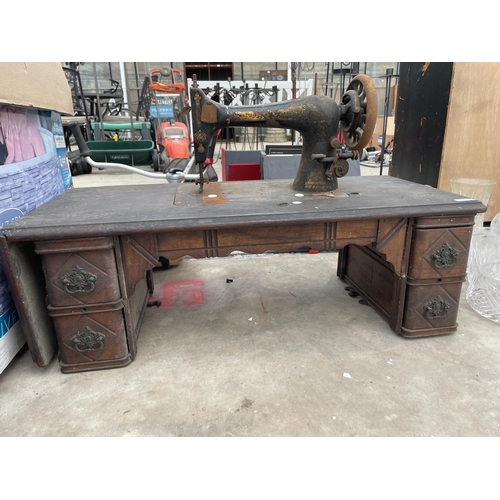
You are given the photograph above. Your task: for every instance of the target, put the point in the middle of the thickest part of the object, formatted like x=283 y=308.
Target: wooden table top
x=161 y=207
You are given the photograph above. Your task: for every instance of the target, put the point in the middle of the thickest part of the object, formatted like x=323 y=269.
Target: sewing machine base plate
x=248 y=192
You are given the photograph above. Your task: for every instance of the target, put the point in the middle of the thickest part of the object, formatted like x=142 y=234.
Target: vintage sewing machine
x=80 y=266
x=317 y=118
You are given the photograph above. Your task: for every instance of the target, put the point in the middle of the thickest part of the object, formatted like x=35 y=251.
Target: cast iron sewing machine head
x=318 y=119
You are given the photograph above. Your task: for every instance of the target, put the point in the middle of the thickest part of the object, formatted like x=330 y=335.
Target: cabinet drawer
x=92 y=337
x=431 y=309
x=79 y=272
x=439 y=254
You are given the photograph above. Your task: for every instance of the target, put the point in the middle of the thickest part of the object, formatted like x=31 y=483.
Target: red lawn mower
x=167 y=99
x=164 y=103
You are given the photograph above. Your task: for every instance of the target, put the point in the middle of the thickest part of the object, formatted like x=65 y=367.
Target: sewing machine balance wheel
x=358 y=112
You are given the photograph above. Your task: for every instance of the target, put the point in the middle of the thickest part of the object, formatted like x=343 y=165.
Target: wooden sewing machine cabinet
x=80 y=266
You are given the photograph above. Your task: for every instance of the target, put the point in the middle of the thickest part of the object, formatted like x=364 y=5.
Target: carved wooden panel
x=139 y=254
x=323 y=236
x=391 y=241
x=372 y=278
x=81 y=271
x=357 y=229
x=435 y=222
x=180 y=240
x=279 y=238
x=439 y=254
x=92 y=336
x=431 y=308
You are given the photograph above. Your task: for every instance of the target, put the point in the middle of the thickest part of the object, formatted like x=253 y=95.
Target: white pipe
x=189 y=177
x=189 y=165
x=123 y=78
x=96 y=164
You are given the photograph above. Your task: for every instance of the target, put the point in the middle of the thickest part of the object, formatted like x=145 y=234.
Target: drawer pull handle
x=437 y=308
x=79 y=281
x=446 y=256
x=88 y=340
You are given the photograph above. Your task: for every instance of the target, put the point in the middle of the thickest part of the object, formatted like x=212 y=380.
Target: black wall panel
x=420 y=121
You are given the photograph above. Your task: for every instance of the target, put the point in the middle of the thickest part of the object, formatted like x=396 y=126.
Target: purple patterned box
x=25 y=185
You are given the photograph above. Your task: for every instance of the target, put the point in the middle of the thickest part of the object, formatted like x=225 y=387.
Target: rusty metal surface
x=248 y=192
x=359 y=112
x=317 y=118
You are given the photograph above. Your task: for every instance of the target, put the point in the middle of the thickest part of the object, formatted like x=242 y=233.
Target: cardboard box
x=35 y=85
x=11 y=334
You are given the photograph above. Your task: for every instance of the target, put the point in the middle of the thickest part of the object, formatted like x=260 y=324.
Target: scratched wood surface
x=102 y=211
x=420 y=121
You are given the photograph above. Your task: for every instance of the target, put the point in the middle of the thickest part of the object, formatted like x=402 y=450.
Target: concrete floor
x=281 y=350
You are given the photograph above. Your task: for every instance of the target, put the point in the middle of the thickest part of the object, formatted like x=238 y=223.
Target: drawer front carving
x=79 y=281
x=89 y=340
x=90 y=337
x=439 y=254
x=77 y=274
x=431 y=307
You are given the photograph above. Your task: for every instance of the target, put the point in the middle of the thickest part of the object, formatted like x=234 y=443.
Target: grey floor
x=278 y=350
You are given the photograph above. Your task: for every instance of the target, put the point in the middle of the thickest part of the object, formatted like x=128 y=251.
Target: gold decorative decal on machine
x=79 y=281
x=200 y=138
x=437 y=308
x=209 y=113
x=446 y=256
x=292 y=114
x=249 y=116
x=88 y=340
x=197 y=99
